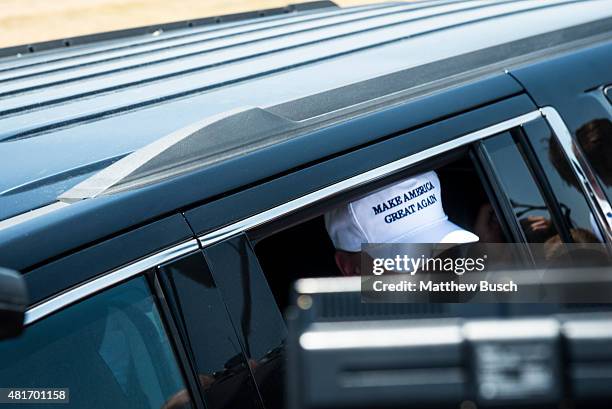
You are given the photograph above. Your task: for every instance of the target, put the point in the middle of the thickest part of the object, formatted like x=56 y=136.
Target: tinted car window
x=110 y=350
x=223 y=370
x=595 y=139
x=253 y=309
x=563 y=182
x=517 y=181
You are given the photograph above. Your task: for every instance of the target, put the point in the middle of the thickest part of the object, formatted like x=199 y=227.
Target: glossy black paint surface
x=573 y=204
x=254 y=312
x=67 y=271
x=574 y=84
x=222 y=368
x=519 y=185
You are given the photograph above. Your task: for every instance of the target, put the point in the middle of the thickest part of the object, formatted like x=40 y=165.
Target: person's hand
x=537 y=223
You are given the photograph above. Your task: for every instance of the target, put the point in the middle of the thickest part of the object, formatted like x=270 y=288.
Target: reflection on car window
x=224 y=372
x=529 y=206
x=595 y=139
x=110 y=350
x=565 y=185
x=259 y=324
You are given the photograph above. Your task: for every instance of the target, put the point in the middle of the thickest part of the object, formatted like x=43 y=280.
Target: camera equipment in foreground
x=345 y=353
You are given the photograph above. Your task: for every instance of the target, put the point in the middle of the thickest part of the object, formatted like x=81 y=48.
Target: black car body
x=179 y=253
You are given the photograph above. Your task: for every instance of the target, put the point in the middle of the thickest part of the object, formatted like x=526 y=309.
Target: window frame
x=505 y=209
x=266 y=324
x=596 y=198
x=546 y=190
x=177 y=342
x=84 y=290
x=549 y=114
x=146 y=268
x=183 y=337
x=485 y=169
x=365 y=178
x=518 y=136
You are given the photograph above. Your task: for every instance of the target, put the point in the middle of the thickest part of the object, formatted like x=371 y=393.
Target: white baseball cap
x=407 y=212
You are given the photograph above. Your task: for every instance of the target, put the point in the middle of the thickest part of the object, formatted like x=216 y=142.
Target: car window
x=306 y=248
x=110 y=350
x=518 y=183
x=564 y=183
x=595 y=140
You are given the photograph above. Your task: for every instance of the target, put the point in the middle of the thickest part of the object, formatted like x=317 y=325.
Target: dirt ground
x=31 y=21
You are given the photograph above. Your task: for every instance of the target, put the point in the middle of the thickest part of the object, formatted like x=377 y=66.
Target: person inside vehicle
x=581 y=254
x=595 y=140
x=409 y=211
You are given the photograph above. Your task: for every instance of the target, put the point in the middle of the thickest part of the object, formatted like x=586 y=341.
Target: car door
x=97 y=327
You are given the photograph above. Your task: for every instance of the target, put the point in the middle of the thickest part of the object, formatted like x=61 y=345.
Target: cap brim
x=425 y=241
x=444 y=232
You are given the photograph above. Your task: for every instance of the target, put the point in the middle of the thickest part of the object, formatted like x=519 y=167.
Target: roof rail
x=200 y=144
x=115 y=34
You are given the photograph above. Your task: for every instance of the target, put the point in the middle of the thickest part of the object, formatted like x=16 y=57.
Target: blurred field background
x=31 y=21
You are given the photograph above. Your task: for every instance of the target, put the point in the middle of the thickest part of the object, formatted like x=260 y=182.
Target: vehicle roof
x=69 y=112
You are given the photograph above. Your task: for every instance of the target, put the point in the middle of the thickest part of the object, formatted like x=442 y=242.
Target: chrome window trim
x=598 y=203
x=589 y=184
x=591 y=188
x=82 y=291
x=223 y=233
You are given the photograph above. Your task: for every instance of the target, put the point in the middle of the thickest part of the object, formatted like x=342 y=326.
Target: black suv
x=162 y=187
